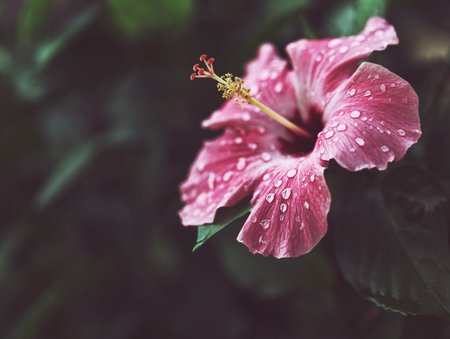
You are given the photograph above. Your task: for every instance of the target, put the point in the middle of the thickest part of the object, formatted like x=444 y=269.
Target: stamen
x=233 y=88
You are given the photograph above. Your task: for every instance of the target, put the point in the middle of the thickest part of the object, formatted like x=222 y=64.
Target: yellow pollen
x=232 y=87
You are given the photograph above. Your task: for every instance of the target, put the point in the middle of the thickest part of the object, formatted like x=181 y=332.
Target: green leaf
x=224 y=218
x=137 y=15
x=64 y=173
x=271 y=277
x=49 y=49
x=351 y=18
x=32 y=19
x=366 y=9
x=397 y=257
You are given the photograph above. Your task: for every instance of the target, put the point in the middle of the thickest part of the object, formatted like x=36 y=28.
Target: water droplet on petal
x=281 y=218
x=283 y=207
x=401 y=132
x=254 y=220
x=278 y=87
x=270 y=197
x=264 y=75
x=266 y=156
x=334 y=42
x=312 y=177
x=211 y=178
x=252 y=146
x=291 y=173
x=238 y=140
x=265 y=223
x=261 y=129
x=367 y=93
x=342 y=127
x=355 y=114
x=240 y=164
x=286 y=193
x=383 y=88
x=360 y=141
x=227 y=176
x=306 y=204
x=384 y=149
x=352 y=92
x=246 y=116
x=343 y=49
x=329 y=134
x=334 y=124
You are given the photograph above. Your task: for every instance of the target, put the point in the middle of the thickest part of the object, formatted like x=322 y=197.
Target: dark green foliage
x=98 y=126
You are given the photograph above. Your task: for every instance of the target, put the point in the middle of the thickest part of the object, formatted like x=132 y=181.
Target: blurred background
x=98 y=126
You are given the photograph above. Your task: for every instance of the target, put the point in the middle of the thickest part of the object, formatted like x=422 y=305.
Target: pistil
x=233 y=88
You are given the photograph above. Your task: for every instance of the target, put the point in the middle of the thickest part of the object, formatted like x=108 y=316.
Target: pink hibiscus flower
x=285 y=128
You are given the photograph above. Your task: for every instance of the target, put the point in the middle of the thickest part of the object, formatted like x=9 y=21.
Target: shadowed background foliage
x=98 y=126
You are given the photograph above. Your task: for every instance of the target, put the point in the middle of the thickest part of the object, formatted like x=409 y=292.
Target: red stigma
x=203 y=57
x=193 y=75
x=210 y=61
x=201 y=71
x=195 y=68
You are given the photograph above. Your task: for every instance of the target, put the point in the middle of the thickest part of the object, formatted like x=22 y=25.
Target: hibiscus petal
x=290 y=208
x=270 y=82
x=372 y=120
x=321 y=65
x=224 y=173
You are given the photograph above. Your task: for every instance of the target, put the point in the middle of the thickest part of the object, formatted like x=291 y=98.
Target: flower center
x=232 y=87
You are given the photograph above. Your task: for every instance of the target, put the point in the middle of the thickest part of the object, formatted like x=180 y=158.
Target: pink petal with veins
x=290 y=208
x=371 y=120
x=224 y=173
x=321 y=65
x=270 y=82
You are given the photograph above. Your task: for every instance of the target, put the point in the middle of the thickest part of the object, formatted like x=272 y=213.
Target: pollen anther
x=232 y=87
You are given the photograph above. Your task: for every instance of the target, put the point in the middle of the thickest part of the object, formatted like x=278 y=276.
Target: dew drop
x=360 y=141
x=283 y=207
x=240 y=164
x=270 y=197
x=281 y=218
x=384 y=149
x=302 y=226
x=329 y=134
x=291 y=173
x=266 y=156
x=286 y=193
x=383 y=88
x=246 y=116
x=343 y=49
x=261 y=129
x=352 y=150
x=367 y=93
x=238 y=140
x=401 y=132
x=254 y=220
x=227 y=176
x=331 y=58
x=352 y=92
x=364 y=118
x=342 y=127
x=334 y=43
x=278 y=183
x=278 y=87
x=306 y=204
x=335 y=123
x=252 y=146
x=312 y=177
x=264 y=75
x=355 y=114
x=211 y=178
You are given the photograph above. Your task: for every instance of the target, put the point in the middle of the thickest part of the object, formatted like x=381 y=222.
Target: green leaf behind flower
x=224 y=218
x=399 y=260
